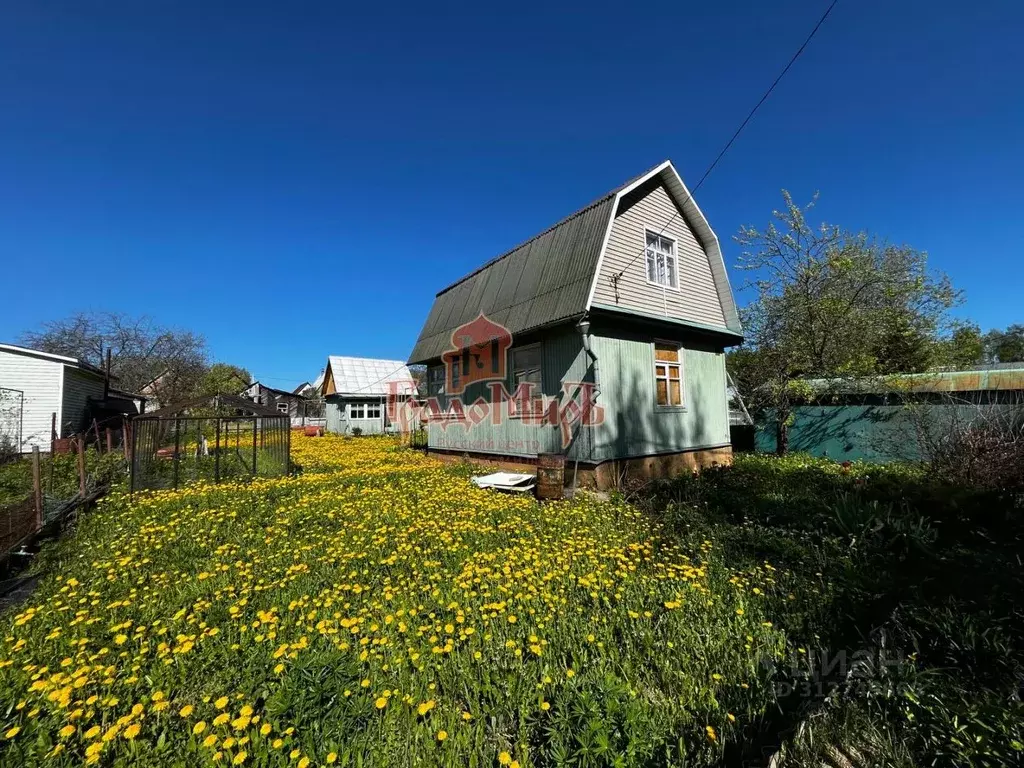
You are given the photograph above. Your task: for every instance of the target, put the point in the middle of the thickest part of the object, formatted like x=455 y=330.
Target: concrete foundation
x=608 y=474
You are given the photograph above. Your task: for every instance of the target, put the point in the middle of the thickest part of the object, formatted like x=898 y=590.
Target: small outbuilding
x=357 y=389
x=45 y=393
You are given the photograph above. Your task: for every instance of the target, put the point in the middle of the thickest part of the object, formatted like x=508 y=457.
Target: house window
x=373 y=411
x=456 y=369
x=357 y=411
x=435 y=381
x=282 y=407
x=668 y=374
x=524 y=364
x=661 y=260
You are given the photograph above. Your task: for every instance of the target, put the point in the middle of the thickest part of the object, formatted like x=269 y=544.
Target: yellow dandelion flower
x=12 y=732
x=239 y=758
x=132 y=731
x=186 y=710
x=199 y=727
x=504 y=758
x=442 y=735
x=381 y=702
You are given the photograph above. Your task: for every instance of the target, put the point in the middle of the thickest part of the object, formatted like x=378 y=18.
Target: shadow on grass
x=900 y=595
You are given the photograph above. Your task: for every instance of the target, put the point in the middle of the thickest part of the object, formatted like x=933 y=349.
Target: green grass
x=880 y=559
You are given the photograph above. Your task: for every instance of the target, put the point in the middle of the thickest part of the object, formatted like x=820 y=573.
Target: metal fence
x=168 y=452
x=40 y=490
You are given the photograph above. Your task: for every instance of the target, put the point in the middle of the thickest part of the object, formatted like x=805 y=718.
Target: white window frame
x=674 y=256
x=668 y=378
x=357 y=411
x=373 y=411
x=282 y=407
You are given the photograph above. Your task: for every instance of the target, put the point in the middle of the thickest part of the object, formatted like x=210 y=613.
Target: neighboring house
x=151 y=391
x=895 y=418
x=282 y=401
x=643 y=267
x=357 y=389
x=310 y=389
x=54 y=384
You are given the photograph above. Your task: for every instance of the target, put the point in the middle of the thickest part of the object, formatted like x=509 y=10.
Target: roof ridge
x=603 y=199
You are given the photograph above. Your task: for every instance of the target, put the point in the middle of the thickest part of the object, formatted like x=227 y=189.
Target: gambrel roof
x=551 y=277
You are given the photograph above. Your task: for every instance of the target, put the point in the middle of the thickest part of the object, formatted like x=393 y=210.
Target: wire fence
x=39 y=490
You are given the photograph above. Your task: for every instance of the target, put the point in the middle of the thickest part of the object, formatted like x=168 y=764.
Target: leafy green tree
x=964 y=347
x=1006 y=346
x=831 y=304
x=223 y=378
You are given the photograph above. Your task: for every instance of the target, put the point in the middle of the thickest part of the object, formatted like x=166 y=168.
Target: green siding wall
x=562 y=359
x=634 y=424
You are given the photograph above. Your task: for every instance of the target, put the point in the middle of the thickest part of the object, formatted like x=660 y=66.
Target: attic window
x=661 y=260
x=282 y=407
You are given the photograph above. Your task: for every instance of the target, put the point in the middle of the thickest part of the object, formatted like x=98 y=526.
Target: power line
x=764 y=98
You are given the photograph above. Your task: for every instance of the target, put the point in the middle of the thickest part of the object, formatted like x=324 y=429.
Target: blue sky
x=298 y=179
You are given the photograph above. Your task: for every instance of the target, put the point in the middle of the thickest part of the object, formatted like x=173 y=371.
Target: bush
x=986 y=453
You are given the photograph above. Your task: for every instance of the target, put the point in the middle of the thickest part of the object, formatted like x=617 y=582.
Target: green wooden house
x=624 y=304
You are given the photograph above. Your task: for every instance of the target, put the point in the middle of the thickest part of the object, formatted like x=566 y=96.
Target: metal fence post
x=177 y=446
x=216 y=455
x=80 y=442
x=254 y=447
x=37 y=486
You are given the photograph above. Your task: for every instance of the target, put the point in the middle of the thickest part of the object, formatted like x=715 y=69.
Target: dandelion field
x=378 y=610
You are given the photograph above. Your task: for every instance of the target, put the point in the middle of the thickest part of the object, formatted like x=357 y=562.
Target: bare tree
x=169 y=361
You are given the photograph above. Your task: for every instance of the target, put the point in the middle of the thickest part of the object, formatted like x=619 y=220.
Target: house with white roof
x=356 y=390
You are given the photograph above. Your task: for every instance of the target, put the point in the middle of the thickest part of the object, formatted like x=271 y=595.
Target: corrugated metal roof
x=542 y=281
x=547 y=279
x=366 y=376
x=1005 y=377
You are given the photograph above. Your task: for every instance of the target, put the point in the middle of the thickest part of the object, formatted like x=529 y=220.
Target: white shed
x=37 y=385
x=357 y=390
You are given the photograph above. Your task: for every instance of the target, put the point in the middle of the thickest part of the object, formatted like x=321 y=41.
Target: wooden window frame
x=352 y=410
x=667 y=376
x=538 y=400
x=674 y=256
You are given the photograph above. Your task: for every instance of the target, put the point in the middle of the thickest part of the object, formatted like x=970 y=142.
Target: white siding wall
x=696 y=299
x=79 y=386
x=40 y=380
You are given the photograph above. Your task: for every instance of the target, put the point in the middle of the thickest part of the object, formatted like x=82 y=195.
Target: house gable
x=661 y=205
x=561 y=273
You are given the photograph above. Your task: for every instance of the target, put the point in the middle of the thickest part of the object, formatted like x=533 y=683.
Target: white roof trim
x=74 y=362
x=36 y=353
x=696 y=219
